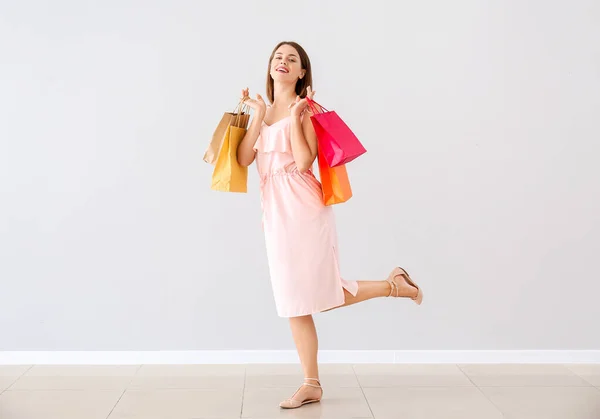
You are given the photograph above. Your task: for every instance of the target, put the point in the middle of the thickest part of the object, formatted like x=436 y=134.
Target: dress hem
x=321 y=310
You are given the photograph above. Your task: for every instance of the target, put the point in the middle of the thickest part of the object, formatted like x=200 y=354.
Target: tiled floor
x=254 y=391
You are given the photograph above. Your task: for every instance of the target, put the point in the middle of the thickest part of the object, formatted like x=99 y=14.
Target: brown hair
x=302 y=83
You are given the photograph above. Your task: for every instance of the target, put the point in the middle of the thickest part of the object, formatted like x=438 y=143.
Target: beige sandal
x=294 y=403
x=394 y=287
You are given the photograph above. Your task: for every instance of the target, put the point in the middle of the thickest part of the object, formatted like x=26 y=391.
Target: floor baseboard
x=290 y=356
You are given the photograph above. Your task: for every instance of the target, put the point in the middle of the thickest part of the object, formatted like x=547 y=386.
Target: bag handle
x=240 y=109
x=313 y=106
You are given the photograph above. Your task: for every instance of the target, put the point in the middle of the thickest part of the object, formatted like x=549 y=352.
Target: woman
x=300 y=231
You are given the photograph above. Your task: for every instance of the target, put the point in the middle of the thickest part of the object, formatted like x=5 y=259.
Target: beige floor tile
x=291 y=375
x=185 y=382
x=75 y=377
x=546 y=402
x=589 y=372
x=57 y=404
x=178 y=404
x=508 y=375
x=13 y=370
x=71 y=383
x=263 y=403
x=189 y=376
x=291 y=369
x=82 y=371
x=293 y=381
x=410 y=375
x=430 y=403
x=10 y=373
x=191 y=371
x=6 y=382
x=273 y=369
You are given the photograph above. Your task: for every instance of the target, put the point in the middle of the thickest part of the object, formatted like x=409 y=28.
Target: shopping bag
x=334 y=182
x=228 y=174
x=238 y=118
x=337 y=142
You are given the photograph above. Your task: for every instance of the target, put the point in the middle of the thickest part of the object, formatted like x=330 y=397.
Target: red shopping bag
x=337 y=142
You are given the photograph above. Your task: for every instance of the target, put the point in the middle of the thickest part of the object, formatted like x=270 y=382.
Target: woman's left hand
x=300 y=105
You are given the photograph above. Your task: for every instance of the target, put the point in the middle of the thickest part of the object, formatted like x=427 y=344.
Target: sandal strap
x=393 y=288
x=402 y=273
x=312 y=385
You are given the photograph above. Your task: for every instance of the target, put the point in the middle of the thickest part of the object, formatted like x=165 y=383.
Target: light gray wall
x=482 y=176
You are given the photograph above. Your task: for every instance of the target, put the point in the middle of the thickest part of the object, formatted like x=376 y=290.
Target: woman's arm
x=304 y=142
x=304 y=139
x=245 y=151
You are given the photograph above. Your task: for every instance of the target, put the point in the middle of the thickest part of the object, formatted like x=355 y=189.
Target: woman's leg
x=374 y=289
x=307 y=345
x=367 y=290
x=305 y=332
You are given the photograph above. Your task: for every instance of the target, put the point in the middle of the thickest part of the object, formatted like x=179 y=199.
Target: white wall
x=482 y=176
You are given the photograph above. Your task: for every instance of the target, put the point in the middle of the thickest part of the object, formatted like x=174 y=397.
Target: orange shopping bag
x=334 y=181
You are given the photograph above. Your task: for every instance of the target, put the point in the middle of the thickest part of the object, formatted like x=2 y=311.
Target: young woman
x=299 y=229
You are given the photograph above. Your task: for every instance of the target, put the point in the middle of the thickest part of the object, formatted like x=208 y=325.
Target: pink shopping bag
x=337 y=142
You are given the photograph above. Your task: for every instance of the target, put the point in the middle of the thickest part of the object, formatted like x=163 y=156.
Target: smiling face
x=286 y=65
x=289 y=64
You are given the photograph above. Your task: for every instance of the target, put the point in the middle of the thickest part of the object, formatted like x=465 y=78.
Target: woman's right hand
x=258 y=104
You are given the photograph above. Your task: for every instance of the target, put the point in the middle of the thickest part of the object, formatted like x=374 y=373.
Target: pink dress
x=300 y=231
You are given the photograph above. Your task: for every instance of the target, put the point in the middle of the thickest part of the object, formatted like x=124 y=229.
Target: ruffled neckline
x=276 y=139
x=275 y=123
